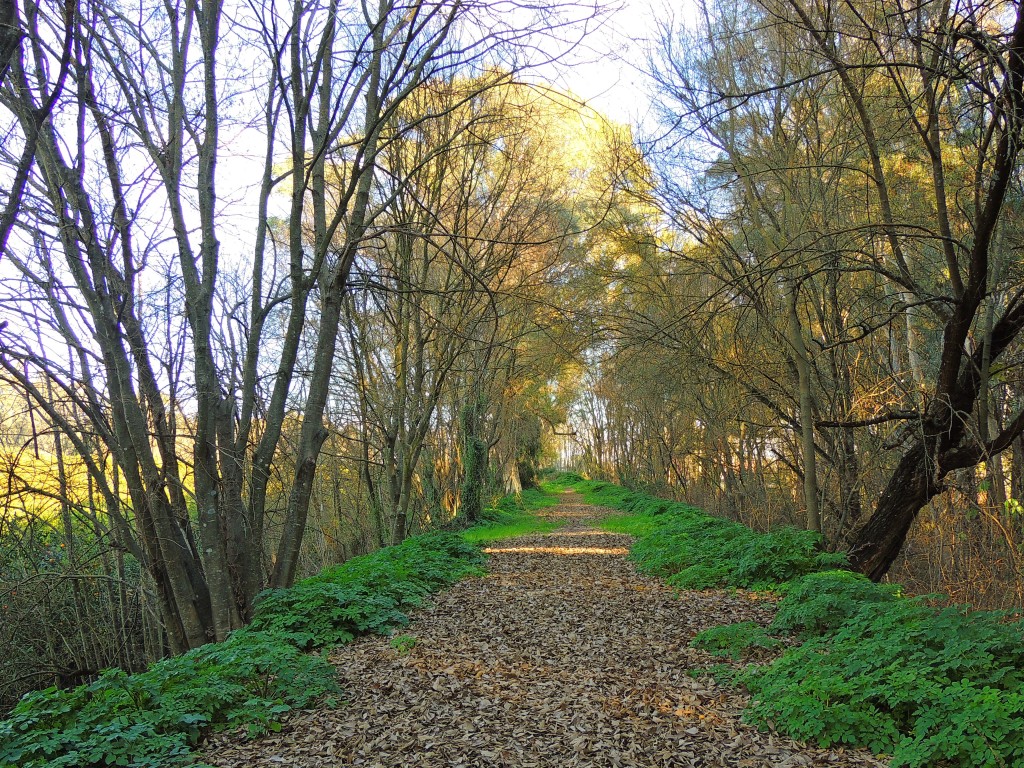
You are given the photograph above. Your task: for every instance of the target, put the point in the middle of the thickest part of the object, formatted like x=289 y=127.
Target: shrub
x=821 y=602
x=692 y=550
x=153 y=718
x=734 y=640
x=371 y=593
x=901 y=677
x=563 y=478
x=403 y=644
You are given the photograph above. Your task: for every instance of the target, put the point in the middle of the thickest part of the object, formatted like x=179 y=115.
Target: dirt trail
x=561 y=656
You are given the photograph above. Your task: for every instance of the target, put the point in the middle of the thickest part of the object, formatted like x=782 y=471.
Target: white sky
x=608 y=71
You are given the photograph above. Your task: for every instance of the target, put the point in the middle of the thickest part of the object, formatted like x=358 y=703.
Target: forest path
x=561 y=656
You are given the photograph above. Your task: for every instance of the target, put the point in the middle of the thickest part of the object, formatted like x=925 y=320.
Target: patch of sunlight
x=558 y=550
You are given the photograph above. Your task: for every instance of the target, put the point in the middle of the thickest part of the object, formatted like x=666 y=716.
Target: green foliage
x=608 y=495
x=153 y=718
x=926 y=685
x=723 y=674
x=566 y=479
x=371 y=593
x=512 y=515
x=518 y=504
x=560 y=482
x=632 y=525
x=699 y=552
x=482 y=534
x=403 y=644
x=821 y=602
x=734 y=640
x=693 y=550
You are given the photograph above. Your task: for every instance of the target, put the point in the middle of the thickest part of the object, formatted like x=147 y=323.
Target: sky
x=608 y=72
x=607 y=69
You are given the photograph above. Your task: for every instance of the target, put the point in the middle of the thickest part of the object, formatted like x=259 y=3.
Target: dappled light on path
x=573 y=550
x=561 y=656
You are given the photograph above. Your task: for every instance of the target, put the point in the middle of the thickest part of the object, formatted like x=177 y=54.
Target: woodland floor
x=561 y=656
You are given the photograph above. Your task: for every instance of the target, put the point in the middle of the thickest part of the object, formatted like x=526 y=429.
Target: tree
x=455 y=289
x=915 y=108
x=129 y=268
x=33 y=101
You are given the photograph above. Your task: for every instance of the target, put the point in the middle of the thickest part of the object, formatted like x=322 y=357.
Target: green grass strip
x=516 y=515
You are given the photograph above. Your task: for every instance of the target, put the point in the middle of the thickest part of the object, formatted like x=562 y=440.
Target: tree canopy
x=282 y=284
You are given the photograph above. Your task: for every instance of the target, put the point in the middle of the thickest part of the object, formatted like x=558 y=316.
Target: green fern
x=735 y=640
x=901 y=677
x=821 y=602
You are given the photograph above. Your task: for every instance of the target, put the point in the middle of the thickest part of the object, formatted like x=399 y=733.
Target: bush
x=370 y=593
x=822 y=602
x=901 y=677
x=734 y=640
x=692 y=550
x=153 y=718
x=562 y=478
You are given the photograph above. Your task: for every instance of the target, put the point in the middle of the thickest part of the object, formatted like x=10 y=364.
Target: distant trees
x=443 y=341
x=843 y=282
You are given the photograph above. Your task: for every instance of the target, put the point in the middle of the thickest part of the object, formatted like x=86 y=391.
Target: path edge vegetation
x=924 y=683
x=278 y=663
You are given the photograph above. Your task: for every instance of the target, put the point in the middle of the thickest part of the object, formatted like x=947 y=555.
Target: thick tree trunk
x=474 y=459
x=513 y=482
x=879 y=541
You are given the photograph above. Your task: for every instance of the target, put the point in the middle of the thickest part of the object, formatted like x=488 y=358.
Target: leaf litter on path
x=561 y=656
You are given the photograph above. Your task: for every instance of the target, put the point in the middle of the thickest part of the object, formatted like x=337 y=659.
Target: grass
x=515 y=515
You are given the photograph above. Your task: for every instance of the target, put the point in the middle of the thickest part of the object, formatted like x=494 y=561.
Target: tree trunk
x=796 y=339
x=474 y=460
x=878 y=543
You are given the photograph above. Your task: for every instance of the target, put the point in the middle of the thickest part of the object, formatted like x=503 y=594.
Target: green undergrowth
x=154 y=718
x=370 y=593
x=734 y=641
x=515 y=515
x=930 y=686
x=693 y=550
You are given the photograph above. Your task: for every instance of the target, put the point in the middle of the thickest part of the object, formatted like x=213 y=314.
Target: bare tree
x=126 y=247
